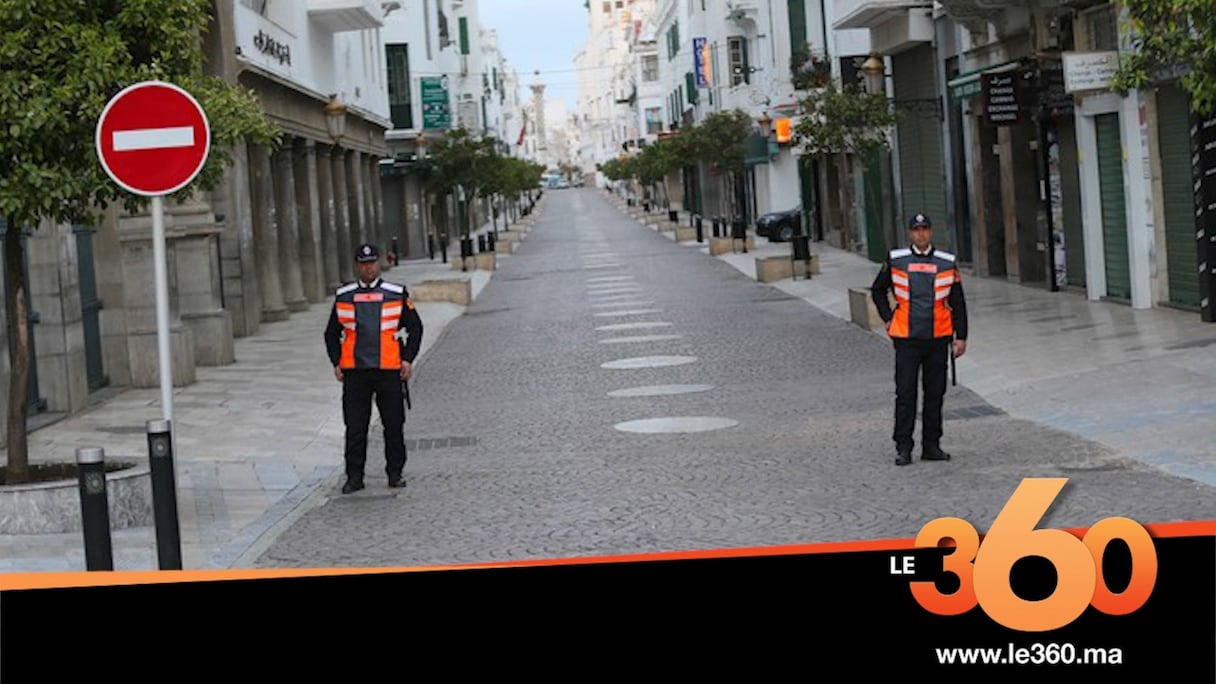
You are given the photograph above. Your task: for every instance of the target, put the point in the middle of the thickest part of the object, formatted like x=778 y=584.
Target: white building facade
x=444 y=71
x=275 y=238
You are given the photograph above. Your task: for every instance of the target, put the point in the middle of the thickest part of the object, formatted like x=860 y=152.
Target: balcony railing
x=851 y=14
x=337 y=16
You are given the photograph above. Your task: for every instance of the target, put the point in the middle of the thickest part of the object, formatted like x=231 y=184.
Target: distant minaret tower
x=538 y=107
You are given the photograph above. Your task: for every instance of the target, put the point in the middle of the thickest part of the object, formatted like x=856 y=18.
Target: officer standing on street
x=373 y=337
x=929 y=323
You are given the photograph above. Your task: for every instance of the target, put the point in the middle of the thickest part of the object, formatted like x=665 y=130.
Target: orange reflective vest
x=374 y=327
x=928 y=291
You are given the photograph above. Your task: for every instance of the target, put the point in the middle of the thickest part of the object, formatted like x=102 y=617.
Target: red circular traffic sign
x=153 y=138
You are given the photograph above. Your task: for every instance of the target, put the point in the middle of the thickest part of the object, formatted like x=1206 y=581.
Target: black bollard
x=700 y=229
x=466 y=252
x=717 y=226
x=490 y=239
x=164 y=495
x=94 y=508
x=801 y=251
x=481 y=243
x=673 y=215
x=739 y=232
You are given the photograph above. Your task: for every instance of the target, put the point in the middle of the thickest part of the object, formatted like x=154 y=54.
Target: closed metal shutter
x=1070 y=201
x=921 y=168
x=1178 y=196
x=1114 y=213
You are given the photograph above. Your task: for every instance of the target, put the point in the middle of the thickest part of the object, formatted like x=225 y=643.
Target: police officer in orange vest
x=928 y=323
x=373 y=337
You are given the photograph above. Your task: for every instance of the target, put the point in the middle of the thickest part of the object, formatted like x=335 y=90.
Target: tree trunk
x=846 y=204
x=17 y=470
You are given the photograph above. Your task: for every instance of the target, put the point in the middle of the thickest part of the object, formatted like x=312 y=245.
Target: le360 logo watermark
x=984 y=569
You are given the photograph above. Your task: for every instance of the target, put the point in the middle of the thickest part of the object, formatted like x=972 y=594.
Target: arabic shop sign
x=1089 y=70
x=1002 y=106
x=267 y=45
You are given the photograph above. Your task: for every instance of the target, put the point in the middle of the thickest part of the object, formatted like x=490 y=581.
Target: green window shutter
x=747 y=76
x=690 y=82
x=797 y=14
x=400 y=107
x=464 y=35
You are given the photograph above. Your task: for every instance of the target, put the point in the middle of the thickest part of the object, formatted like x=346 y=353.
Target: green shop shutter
x=1114 y=212
x=1070 y=191
x=1174 y=128
x=921 y=168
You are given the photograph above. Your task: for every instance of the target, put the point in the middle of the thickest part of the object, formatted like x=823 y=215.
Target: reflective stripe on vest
x=370 y=318
x=921 y=284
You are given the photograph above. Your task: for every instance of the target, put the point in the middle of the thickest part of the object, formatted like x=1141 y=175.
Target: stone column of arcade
x=308 y=215
x=288 y=229
x=330 y=251
x=265 y=235
x=346 y=247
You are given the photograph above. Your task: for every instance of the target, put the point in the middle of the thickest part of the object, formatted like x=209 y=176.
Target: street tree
x=718 y=141
x=844 y=123
x=60 y=63
x=1171 y=36
x=460 y=161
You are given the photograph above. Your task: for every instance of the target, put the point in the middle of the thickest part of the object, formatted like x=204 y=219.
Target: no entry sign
x=153 y=138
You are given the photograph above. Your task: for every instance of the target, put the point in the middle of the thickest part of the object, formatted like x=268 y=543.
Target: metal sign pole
x=162 y=307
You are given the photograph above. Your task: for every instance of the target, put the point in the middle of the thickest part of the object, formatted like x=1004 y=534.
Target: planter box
x=54 y=507
x=482 y=261
x=725 y=245
x=862 y=310
x=685 y=234
x=454 y=290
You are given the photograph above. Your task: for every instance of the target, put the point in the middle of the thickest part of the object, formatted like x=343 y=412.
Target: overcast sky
x=539 y=35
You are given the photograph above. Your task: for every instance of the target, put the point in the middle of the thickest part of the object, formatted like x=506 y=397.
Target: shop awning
x=756 y=150
x=967 y=85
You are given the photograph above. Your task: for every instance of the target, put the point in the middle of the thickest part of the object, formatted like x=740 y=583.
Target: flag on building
x=523 y=128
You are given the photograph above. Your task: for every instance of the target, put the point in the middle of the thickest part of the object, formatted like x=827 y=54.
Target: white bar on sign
x=153 y=138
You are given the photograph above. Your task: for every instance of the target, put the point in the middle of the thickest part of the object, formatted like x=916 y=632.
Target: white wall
x=288 y=44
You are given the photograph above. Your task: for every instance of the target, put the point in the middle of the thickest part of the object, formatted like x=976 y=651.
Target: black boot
x=353 y=484
x=933 y=452
x=903 y=456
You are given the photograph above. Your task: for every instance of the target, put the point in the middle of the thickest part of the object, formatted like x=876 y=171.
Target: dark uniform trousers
x=925 y=360
x=359 y=387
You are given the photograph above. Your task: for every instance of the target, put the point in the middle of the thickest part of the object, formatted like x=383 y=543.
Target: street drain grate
x=123 y=429
x=426 y=444
x=971 y=412
x=487 y=312
x=365 y=497
x=1104 y=467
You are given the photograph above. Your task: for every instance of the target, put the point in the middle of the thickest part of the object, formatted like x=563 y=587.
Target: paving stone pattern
x=524 y=461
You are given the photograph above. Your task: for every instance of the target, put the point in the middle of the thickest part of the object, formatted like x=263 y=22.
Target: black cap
x=919 y=220
x=366 y=253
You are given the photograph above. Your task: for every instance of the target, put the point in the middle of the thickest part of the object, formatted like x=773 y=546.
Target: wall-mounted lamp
x=875 y=72
x=766 y=125
x=335 y=118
